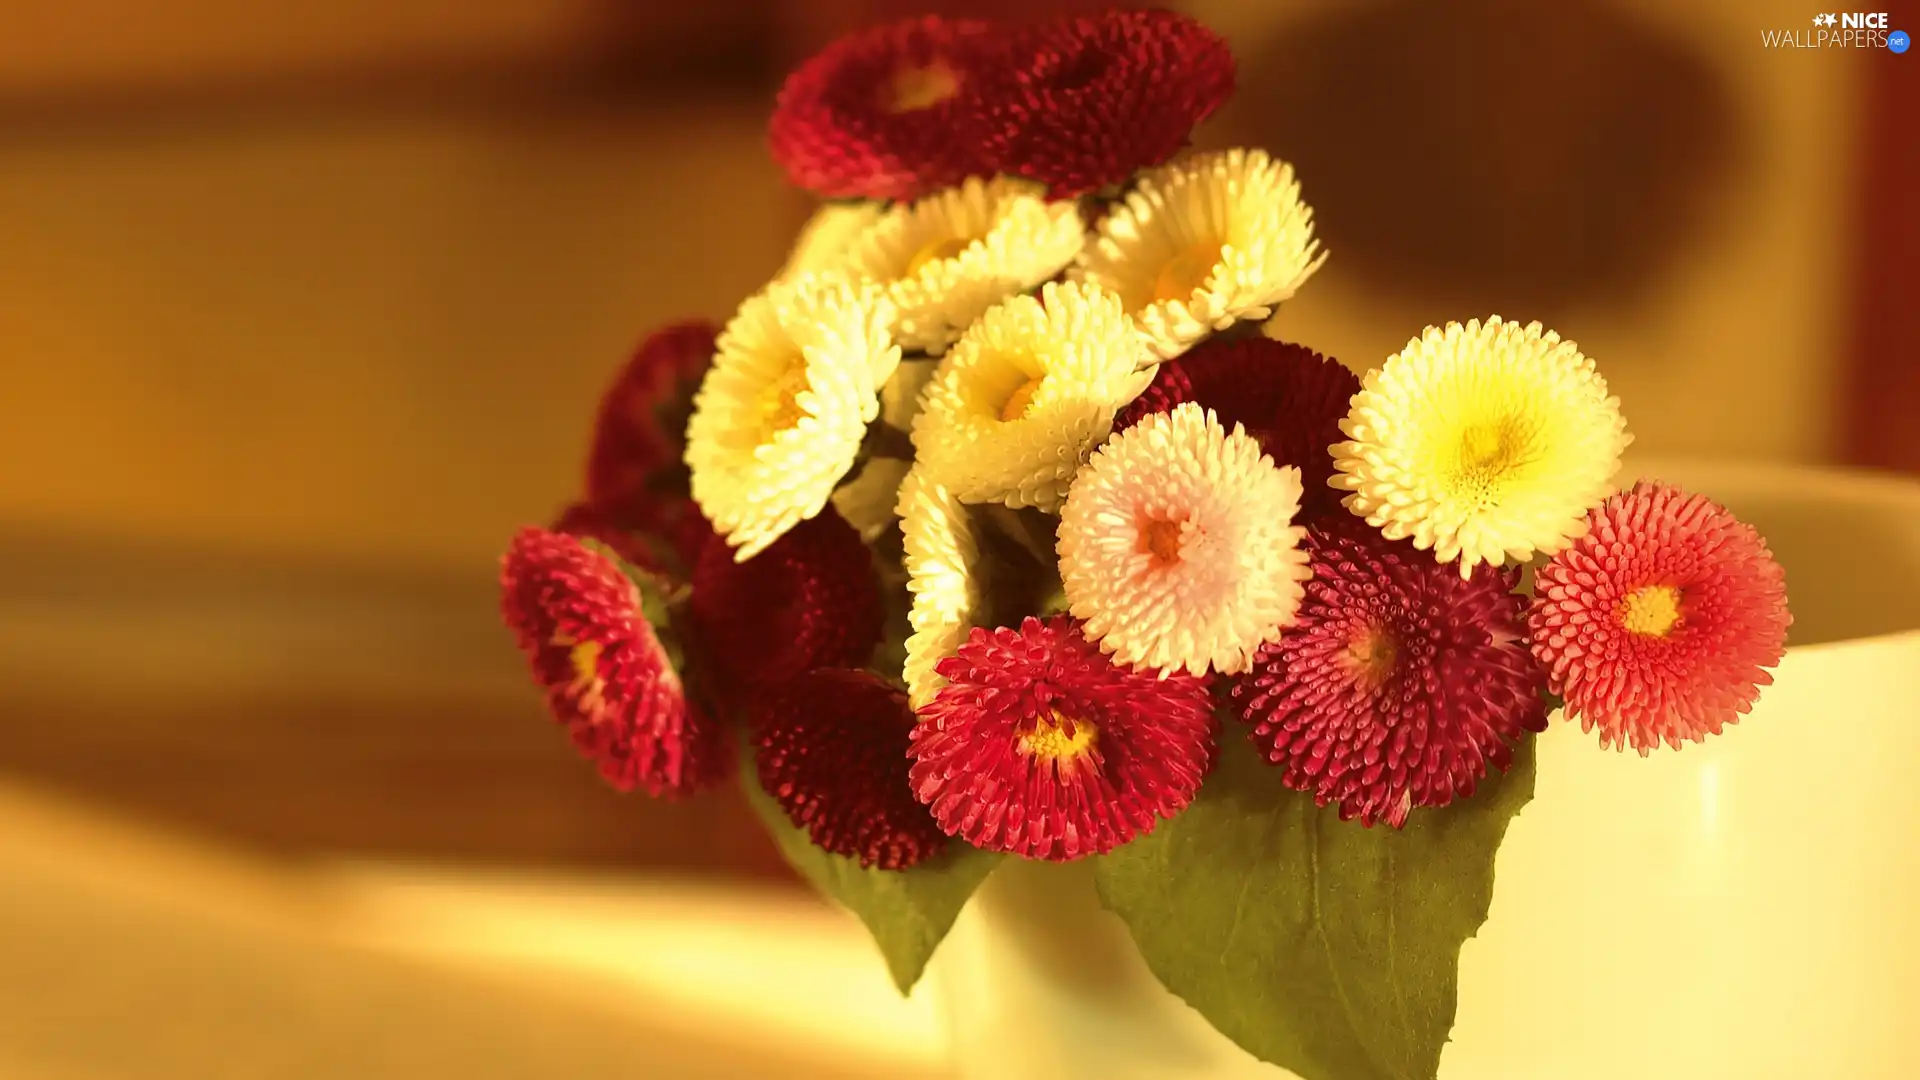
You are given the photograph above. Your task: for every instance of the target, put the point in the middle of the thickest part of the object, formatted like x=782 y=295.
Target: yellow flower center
x=1160 y=538
x=780 y=399
x=1486 y=448
x=587 y=687
x=937 y=251
x=916 y=88
x=1652 y=611
x=1057 y=737
x=1020 y=400
x=1186 y=272
x=1371 y=654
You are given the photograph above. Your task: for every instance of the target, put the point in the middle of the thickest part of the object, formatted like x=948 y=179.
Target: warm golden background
x=304 y=307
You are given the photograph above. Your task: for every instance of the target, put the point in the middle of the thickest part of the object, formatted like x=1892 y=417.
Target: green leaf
x=1316 y=944
x=908 y=912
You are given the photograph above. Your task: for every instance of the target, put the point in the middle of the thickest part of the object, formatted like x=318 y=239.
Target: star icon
x=1830 y=19
x=1819 y=20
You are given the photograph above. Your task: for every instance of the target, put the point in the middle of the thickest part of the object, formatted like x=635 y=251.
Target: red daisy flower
x=640 y=432
x=607 y=674
x=831 y=747
x=1659 y=624
x=1400 y=685
x=1039 y=745
x=810 y=600
x=1288 y=397
x=1085 y=102
x=872 y=115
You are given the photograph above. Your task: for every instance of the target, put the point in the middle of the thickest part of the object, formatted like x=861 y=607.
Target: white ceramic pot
x=1743 y=909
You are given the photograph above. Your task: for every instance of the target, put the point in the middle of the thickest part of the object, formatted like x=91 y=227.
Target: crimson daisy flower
x=608 y=676
x=872 y=115
x=1039 y=745
x=1659 y=624
x=1085 y=102
x=831 y=749
x=1287 y=396
x=1400 y=685
x=640 y=432
x=809 y=600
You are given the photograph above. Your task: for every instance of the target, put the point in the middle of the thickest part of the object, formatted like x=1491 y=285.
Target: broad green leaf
x=1316 y=944
x=908 y=912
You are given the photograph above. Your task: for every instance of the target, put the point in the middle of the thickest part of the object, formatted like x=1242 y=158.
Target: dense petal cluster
x=873 y=115
x=1400 y=685
x=1202 y=243
x=1084 y=102
x=781 y=416
x=608 y=677
x=1042 y=747
x=951 y=255
x=1288 y=397
x=1486 y=443
x=1177 y=544
x=1027 y=393
x=639 y=434
x=1660 y=623
x=831 y=749
x=811 y=600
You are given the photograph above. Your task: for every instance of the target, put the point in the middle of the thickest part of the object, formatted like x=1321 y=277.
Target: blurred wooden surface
x=305 y=707
x=54 y=49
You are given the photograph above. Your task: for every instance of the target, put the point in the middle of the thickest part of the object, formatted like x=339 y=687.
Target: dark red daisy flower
x=640 y=432
x=608 y=676
x=1084 y=102
x=1287 y=396
x=831 y=748
x=810 y=600
x=872 y=115
x=1041 y=746
x=1400 y=685
x=1659 y=624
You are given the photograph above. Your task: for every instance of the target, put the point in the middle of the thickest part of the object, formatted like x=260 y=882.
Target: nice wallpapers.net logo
x=1843 y=30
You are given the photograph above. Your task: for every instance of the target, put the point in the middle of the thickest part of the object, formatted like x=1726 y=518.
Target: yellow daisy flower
x=1486 y=443
x=943 y=564
x=829 y=237
x=1027 y=393
x=952 y=255
x=1204 y=242
x=780 y=416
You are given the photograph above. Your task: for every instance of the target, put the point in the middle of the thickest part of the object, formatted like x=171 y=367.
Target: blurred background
x=305 y=307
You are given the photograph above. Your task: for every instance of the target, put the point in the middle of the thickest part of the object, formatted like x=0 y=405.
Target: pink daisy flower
x=1659 y=624
x=1040 y=746
x=608 y=676
x=1400 y=685
x=871 y=116
x=1288 y=397
x=1087 y=101
x=831 y=748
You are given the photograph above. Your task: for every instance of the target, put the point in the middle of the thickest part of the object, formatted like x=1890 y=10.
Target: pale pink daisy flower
x=1177 y=545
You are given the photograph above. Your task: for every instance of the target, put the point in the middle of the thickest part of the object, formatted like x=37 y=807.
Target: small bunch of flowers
x=991 y=515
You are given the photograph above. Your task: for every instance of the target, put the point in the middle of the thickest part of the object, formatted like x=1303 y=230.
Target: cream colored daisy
x=1027 y=393
x=1178 y=548
x=1204 y=242
x=952 y=255
x=828 y=238
x=943 y=574
x=1486 y=443
x=780 y=416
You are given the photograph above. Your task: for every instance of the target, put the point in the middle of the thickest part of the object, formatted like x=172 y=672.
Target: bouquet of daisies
x=994 y=526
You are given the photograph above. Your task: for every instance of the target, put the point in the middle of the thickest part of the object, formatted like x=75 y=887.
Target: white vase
x=1743 y=909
